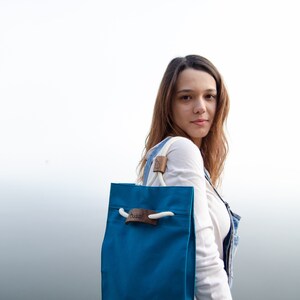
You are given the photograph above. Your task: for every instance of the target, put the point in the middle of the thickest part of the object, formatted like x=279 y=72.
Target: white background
x=78 y=80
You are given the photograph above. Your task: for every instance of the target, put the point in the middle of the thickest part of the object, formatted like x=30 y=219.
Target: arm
x=185 y=167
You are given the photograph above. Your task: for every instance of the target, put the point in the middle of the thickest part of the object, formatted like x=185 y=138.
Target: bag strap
x=156 y=149
x=161 y=163
x=160 y=160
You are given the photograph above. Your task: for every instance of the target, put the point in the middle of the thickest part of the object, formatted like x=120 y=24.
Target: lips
x=200 y=121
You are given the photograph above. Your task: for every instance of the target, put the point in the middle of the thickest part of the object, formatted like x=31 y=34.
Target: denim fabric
x=231 y=241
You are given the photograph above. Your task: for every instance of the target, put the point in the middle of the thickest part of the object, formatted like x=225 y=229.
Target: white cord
x=160 y=215
x=123 y=213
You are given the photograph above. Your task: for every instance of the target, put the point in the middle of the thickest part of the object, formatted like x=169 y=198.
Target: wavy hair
x=214 y=146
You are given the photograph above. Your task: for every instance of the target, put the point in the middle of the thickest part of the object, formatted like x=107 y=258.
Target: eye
x=211 y=97
x=186 y=97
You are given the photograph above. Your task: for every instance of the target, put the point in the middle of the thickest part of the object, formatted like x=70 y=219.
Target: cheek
x=176 y=112
x=213 y=109
x=180 y=113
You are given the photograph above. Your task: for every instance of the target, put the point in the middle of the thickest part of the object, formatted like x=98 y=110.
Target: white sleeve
x=185 y=168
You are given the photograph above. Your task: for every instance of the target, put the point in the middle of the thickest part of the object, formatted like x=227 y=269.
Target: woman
x=193 y=103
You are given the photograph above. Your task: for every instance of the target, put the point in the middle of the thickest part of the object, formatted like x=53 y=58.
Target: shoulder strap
x=151 y=157
x=209 y=181
x=162 y=149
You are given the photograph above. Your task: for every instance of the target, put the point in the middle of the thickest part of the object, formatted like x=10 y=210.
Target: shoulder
x=185 y=151
x=184 y=145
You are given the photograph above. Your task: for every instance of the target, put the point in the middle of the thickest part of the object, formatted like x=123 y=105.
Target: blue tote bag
x=148 y=251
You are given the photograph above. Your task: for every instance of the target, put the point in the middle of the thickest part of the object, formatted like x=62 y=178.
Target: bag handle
x=161 y=160
x=154 y=152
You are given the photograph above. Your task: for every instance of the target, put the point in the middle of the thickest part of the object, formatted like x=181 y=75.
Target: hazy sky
x=78 y=80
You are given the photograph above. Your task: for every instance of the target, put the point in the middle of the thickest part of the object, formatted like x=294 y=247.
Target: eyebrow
x=190 y=90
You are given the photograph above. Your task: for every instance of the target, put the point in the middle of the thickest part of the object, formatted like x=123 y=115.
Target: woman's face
x=194 y=103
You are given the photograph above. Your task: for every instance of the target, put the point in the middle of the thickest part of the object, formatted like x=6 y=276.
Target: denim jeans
x=230 y=244
x=231 y=241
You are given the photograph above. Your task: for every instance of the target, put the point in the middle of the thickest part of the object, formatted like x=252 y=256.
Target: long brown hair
x=214 y=146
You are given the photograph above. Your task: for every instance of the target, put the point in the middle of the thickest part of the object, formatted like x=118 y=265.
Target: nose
x=199 y=107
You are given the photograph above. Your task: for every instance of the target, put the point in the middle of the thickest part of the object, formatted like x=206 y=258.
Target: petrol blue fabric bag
x=141 y=260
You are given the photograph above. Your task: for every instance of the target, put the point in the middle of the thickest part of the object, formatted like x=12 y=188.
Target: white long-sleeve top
x=185 y=168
